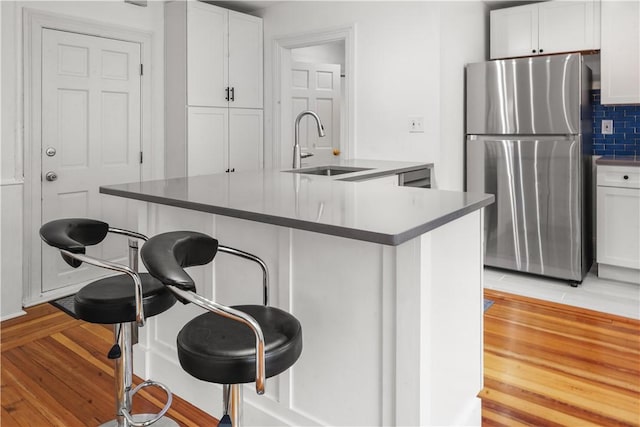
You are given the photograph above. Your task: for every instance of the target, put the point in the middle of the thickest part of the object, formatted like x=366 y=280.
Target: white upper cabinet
x=245 y=60
x=620 y=54
x=224 y=57
x=207 y=55
x=514 y=32
x=213 y=90
x=545 y=28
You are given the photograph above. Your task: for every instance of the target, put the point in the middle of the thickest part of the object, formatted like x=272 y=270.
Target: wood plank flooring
x=546 y=364
x=55 y=372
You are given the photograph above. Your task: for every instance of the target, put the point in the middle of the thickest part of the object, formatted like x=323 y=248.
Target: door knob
x=50 y=151
x=51 y=176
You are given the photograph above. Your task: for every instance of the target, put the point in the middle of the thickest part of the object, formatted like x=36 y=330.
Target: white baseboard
x=12 y=315
x=621 y=274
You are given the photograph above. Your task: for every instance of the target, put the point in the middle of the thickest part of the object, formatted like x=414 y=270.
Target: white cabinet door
x=224 y=57
x=514 y=31
x=207 y=55
x=618 y=233
x=545 y=28
x=245 y=139
x=245 y=60
x=568 y=26
x=208 y=138
x=620 y=54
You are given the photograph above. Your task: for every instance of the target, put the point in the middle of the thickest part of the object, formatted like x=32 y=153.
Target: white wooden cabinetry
x=210 y=132
x=545 y=28
x=224 y=57
x=246 y=131
x=620 y=54
x=618 y=223
x=514 y=31
x=213 y=89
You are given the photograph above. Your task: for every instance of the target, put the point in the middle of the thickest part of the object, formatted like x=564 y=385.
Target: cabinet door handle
x=541 y=50
x=533 y=51
x=626 y=177
x=227 y=94
x=233 y=170
x=233 y=94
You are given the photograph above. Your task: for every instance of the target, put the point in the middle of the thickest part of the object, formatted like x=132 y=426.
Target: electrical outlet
x=607 y=127
x=416 y=124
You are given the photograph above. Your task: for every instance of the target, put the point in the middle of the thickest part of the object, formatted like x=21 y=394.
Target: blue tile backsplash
x=625 y=140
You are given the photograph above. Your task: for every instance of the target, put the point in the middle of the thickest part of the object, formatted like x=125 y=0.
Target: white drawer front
x=619 y=176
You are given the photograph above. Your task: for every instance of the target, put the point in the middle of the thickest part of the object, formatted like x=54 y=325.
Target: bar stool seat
x=124 y=300
x=112 y=299
x=223 y=351
x=226 y=345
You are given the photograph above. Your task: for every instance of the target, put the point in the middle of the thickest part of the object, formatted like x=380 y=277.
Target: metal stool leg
x=123 y=373
x=232 y=403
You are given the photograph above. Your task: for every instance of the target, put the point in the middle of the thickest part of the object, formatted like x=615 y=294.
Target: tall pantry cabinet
x=213 y=90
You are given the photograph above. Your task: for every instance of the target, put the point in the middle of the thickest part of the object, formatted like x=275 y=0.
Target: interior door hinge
x=141 y=69
x=141 y=157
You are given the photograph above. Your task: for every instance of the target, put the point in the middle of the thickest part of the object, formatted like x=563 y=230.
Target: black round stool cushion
x=112 y=299
x=223 y=351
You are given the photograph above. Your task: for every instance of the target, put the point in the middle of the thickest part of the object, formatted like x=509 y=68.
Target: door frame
x=281 y=49
x=34 y=21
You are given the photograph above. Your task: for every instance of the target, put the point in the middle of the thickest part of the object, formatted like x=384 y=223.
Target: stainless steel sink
x=328 y=170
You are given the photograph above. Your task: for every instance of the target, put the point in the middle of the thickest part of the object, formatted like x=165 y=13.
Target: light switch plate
x=416 y=124
x=607 y=127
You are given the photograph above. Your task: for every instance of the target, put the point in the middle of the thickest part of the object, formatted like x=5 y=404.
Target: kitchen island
x=385 y=280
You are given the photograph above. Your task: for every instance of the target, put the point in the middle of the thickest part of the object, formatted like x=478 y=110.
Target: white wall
x=409 y=61
x=327 y=53
x=464 y=39
x=117 y=13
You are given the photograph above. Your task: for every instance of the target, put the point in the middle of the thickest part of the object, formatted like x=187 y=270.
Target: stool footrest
x=148 y=383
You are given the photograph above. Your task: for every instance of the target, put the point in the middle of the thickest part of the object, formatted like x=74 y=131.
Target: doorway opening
x=314 y=72
x=316 y=84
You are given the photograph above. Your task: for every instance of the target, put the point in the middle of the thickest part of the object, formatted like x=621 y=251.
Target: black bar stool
x=226 y=345
x=121 y=300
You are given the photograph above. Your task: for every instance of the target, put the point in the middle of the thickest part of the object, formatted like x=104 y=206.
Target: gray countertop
x=364 y=210
x=618 y=161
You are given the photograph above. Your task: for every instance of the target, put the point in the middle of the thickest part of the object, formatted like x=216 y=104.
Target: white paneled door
x=91 y=136
x=316 y=87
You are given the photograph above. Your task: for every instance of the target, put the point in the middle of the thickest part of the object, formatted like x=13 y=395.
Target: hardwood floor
x=555 y=365
x=55 y=372
x=545 y=364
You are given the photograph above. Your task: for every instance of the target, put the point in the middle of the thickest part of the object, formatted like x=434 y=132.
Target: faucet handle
x=305 y=155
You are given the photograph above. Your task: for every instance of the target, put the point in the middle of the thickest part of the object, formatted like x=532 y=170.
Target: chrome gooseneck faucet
x=297 y=154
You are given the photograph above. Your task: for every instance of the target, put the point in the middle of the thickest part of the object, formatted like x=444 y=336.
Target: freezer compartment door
x=535 y=224
x=523 y=96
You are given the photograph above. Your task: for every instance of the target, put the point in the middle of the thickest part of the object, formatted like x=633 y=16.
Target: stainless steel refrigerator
x=529 y=144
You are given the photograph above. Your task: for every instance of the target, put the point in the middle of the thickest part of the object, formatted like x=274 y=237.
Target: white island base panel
x=392 y=334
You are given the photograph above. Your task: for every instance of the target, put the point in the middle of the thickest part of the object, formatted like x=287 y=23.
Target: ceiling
x=245 y=6
x=501 y=4
x=253 y=5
